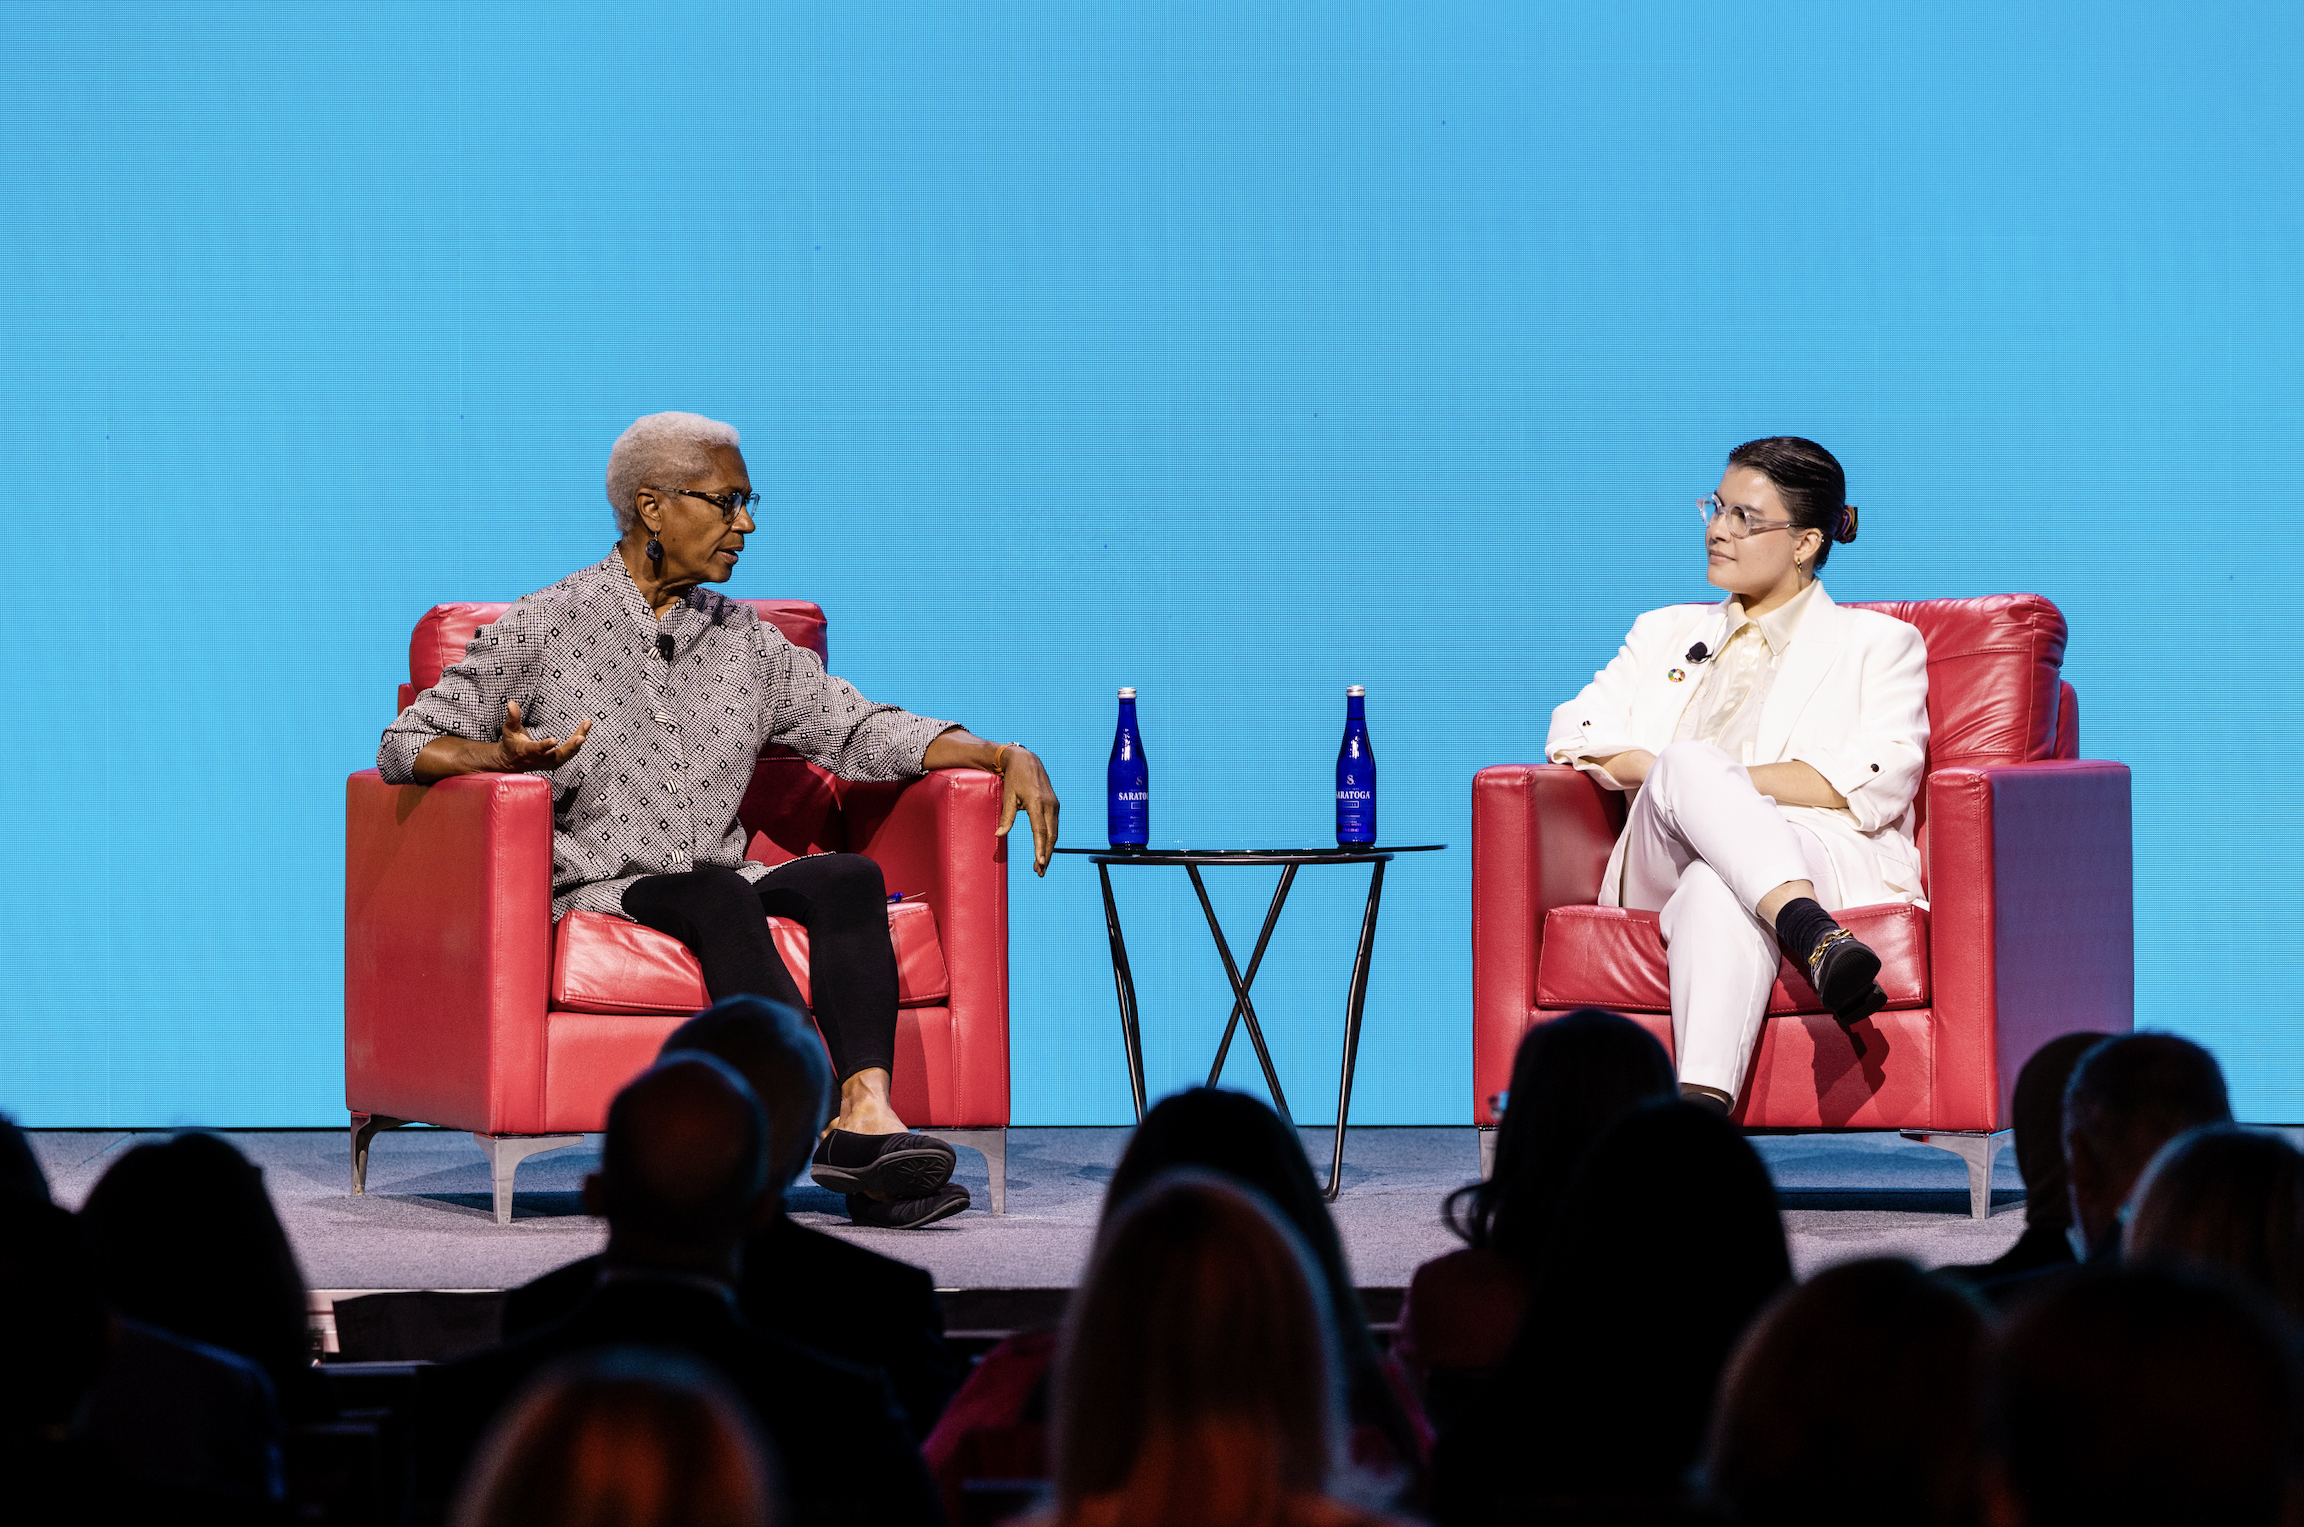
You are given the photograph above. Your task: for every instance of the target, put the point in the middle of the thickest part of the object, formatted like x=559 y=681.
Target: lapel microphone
x=664 y=645
x=1699 y=654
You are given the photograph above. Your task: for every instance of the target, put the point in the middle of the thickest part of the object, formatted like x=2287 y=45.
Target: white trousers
x=1701 y=848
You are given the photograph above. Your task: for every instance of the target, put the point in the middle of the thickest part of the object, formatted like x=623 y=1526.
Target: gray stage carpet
x=426 y=1220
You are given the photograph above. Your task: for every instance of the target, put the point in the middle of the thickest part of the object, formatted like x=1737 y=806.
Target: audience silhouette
x=1798 y=1439
x=2140 y=1396
x=109 y=1420
x=681 y=1173
x=1666 y=1246
x=623 y=1437
x=1618 y=1341
x=186 y=1240
x=1571 y=1079
x=1240 y=1138
x=2037 y=1112
x=798 y=1283
x=1198 y=1380
x=20 y=1174
x=2129 y=1096
x=2226 y=1202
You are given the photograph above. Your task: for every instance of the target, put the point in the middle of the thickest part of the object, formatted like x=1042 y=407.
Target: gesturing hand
x=1025 y=785
x=518 y=753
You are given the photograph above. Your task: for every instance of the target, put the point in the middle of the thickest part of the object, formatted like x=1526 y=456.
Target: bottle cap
x=1355 y=691
x=1127 y=693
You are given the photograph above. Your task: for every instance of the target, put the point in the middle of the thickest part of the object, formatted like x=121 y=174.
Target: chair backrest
x=445 y=630
x=1996 y=692
x=792 y=807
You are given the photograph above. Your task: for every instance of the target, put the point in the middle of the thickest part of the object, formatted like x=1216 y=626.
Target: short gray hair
x=661 y=451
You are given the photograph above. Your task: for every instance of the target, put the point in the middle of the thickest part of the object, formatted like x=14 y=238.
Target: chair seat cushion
x=604 y=964
x=1608 y=957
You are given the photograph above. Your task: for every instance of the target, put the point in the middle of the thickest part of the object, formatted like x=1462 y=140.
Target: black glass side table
x=1243 y=1009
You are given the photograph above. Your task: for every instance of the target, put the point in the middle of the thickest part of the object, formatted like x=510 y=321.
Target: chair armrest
x=1541 y=836
x=448 y=949
x=934 y=837
x=2031 y=922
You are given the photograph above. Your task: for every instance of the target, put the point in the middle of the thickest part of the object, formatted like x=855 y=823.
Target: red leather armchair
x=465 y=1006
x=2028 y=932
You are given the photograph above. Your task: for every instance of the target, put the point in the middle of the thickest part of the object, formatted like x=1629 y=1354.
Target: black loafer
x=888 y=1166
x=907 y=1213
x=1842 y=973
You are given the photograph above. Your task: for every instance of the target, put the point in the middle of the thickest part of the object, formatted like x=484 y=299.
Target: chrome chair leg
x=365 y=1128
x=993 y=1143
x=506 y=1152
x=1978 y=1148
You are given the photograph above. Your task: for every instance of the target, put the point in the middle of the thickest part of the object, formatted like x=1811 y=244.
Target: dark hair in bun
x=1815 y=490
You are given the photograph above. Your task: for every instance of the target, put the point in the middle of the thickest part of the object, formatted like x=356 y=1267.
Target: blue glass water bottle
x=1128 y=781
x=1355 y=775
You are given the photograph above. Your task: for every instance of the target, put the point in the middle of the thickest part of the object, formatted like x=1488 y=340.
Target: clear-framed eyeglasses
x=1734 y=518
x=727 y=503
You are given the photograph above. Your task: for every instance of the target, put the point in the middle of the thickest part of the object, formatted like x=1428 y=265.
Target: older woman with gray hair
x=647 y=697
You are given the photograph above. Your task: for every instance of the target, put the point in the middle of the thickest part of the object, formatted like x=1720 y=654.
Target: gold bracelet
x=999 y=755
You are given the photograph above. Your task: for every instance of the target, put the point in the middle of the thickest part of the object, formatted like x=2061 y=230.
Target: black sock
x=1800 y=926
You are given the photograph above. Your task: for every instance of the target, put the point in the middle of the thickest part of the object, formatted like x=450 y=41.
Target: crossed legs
x=1716 y=860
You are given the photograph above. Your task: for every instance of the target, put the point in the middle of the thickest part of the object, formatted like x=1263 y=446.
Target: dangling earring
x=655 y=550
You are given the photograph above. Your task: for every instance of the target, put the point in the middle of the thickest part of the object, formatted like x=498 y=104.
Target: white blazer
x=1850 y=700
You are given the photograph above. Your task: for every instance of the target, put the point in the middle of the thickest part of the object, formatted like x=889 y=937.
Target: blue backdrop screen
x=1235 y=353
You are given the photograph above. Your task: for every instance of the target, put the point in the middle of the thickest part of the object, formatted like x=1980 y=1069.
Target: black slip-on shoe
x=908 y=1213
x=891 y=1166
x=1842 y=971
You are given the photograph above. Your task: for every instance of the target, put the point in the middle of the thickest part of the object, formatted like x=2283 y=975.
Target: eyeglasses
x=1739 y=522
x=727 y=503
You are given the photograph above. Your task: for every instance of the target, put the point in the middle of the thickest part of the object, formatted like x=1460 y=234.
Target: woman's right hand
x=515 y=752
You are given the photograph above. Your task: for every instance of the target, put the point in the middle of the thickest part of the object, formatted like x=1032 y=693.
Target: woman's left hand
x=1025 y=786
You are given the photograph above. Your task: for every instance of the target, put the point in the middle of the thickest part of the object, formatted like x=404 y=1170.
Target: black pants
x=843 y=903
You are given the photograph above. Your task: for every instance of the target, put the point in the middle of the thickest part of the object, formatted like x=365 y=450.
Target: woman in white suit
x=1775 y=742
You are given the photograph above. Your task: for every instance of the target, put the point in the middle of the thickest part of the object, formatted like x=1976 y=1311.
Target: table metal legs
x=1354 y=1002
x=1124 y=982
x=1243 y=1007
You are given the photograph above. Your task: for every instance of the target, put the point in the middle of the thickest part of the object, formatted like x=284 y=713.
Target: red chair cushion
x=603 y=964
x=1608 y=957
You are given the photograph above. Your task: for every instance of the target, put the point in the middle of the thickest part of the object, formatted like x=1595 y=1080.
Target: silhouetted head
x=1666 y=1246
x=1799 y=1434
x=186 y=1238
x=1213 y=1130
x=624 y=1436
x=1197 y=1380
x=58 y=1331
x=1573 y=1077
x=775 y=1049
x=682 y=1167
x=1232 y=1133
x=2140 y=1396
x=2227 y=1202
x=2038 y=1114
x=2129 y=1096
x=20 y=1174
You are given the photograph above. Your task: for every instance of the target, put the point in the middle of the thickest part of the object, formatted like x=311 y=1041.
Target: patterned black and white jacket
x=654 y=788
